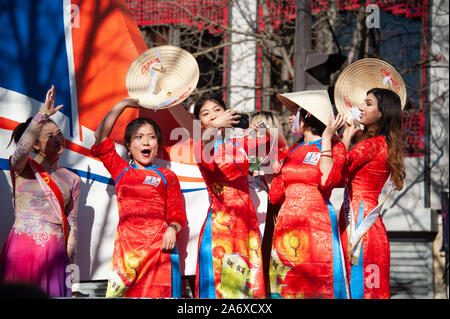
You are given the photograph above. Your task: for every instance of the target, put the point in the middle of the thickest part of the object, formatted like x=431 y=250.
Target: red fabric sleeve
x=175 y=212
x=277 y=190
x=362 y=153
x=204 y=155
x=106 y=152
x=335 y=177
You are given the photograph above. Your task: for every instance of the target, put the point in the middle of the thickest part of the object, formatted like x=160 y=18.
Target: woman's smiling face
x=370 y=114
x=144 y=145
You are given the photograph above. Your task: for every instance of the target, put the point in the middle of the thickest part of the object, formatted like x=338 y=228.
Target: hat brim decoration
x=361 y=76
x=316 y=102
x=162 y=77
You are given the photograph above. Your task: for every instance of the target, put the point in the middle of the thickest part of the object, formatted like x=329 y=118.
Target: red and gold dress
x=366 y=172
x=306 y=259
x=229 y=261
x=139 y=267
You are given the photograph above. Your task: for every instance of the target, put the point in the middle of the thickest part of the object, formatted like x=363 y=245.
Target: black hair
x=313 y=123
x=214 y=98
x=390 y=124
x=389 y=105
x=135 y=124
x=20 y=129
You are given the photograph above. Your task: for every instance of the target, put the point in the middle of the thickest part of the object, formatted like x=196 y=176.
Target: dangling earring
x=131 y=160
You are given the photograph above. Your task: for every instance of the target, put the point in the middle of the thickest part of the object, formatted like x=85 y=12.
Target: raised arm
x=72 y=218
x=326 y=157
x=214 y=131
x=30 y=135
x=224 y=120
x=183 y=118
x=104 y=129
x=349 y=132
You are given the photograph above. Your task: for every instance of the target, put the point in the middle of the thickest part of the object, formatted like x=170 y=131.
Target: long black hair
x=390 y=125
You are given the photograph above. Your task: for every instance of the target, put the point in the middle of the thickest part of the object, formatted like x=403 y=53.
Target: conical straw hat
x=359 y=77
x=162 y=77
x=316 y=102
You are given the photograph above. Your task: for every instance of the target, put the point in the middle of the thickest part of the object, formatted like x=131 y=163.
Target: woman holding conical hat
x=145 y=261
x=306 y=257
x=376 y=90
x=150 y=207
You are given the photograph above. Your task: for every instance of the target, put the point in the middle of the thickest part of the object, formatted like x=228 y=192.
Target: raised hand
x=49 y=105
x=226 y=119
x=129 y=102
x=104 y=129
x=349 y=132
x=253 y=127
x=333 y=126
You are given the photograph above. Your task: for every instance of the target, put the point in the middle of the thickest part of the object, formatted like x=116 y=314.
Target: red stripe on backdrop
x=104 y=46
x=7 y=124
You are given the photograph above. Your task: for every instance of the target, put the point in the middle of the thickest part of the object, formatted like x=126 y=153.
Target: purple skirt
x=39 y=261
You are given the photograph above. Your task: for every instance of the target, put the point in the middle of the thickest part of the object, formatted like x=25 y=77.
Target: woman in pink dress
x=42 y=241
x=378 y=154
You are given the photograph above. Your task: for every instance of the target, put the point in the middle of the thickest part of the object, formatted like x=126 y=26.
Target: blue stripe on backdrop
x=33 y=50
x=4 y=165
x=190 y=190
x=92 y=176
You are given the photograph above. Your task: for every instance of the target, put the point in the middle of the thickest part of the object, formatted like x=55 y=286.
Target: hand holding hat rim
x=361 y=76
x=162 y=77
